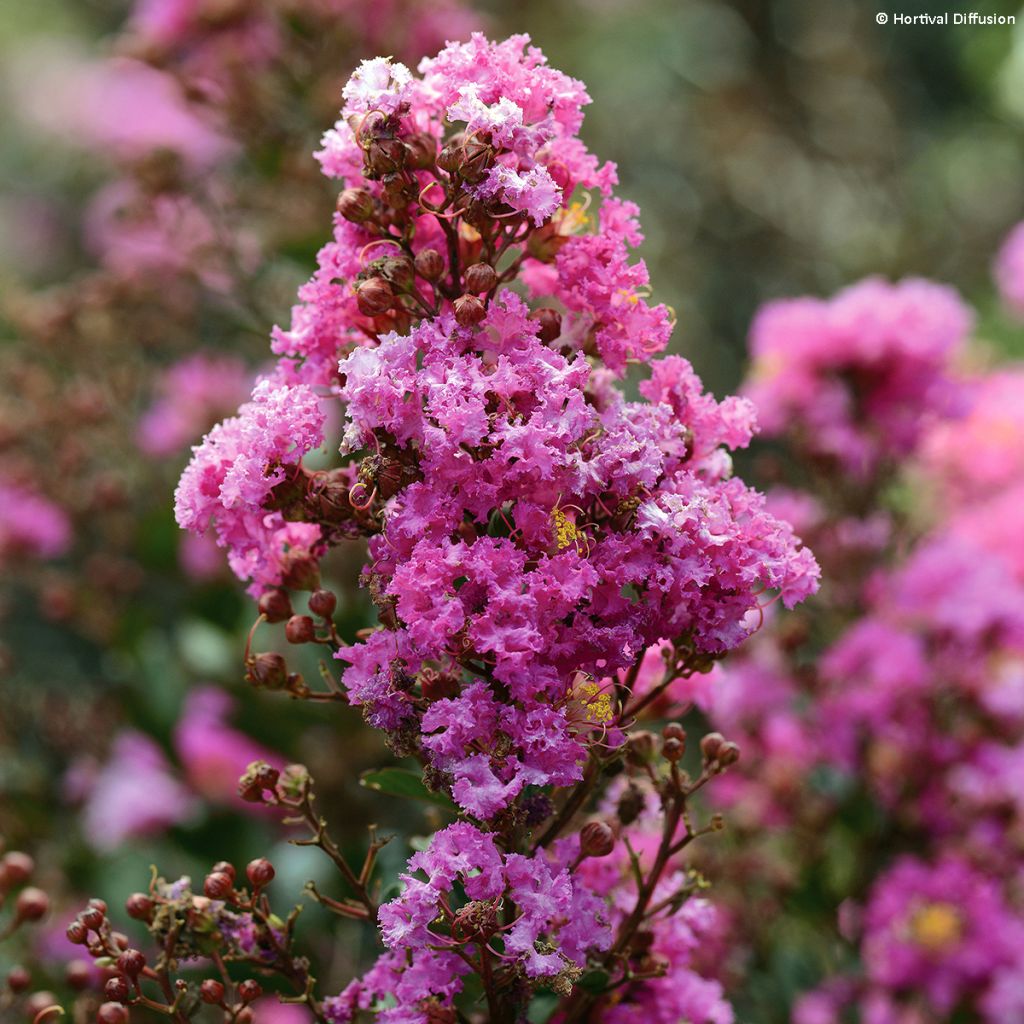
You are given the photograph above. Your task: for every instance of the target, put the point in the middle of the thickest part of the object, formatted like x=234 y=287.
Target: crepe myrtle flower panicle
x=856 y=378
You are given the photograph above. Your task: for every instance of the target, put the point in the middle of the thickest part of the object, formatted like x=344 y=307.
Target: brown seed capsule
x=270 y=670
x=469 y=310
x=673 y=750
x=550 y=323
x=374 y=296
x=249 y=990
x=480 y=278
x=139 y=907
x=112 y=1013
x=260 y=872
x=217 y=886
x=429 y=264
x=18 y=980
x=355 y=205
x=322 y=603
x=597 y=839
x=31 y=904
x=274 y=605
x=300 y=630
x=16 y=868
x=117 y=989
x=211 y=991
x=710 y=745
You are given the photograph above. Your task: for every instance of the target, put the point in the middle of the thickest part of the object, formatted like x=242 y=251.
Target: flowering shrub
x=531 y=533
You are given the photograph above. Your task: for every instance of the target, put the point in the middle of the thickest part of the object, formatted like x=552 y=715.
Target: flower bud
x=77 y=933
x=597 y=839
x=117 y=989
x=469 y=310
x=211 y=991
x=139 y=907
x=399 y=272
x=112 y=1013
x=222 y=866
x=78 y=974
x=131 y=962
x=374 y=296
x=249 y=989
x=92 y=917
x=355 y=205
x=301 y=573
x=674 y=731
x=18 y=980
x=429 y=264
x=217 y=886
x=270 y=670
x=275 y=605
x=31 y=904
x=549 y=323
x=420 y=151
x=717 y=823
x=295 y=781
x=300 y=630
x=480 y=278
x=245 y=1016
x=260 y=872
x=640 y=747
x=728 y=754
x=16 y=869
x=322 y=603
x=119 y=939
x=38 y=1002
x=477 y=158
x=710 y=744
x=385 y=156
x=631 y=803
x=673 y=750
x=450 y=157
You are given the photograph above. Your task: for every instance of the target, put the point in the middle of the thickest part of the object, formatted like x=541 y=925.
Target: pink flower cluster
x=30 y=524
x=556 y=923
x=531 y=531
x=190 y=397
x=856 y=378
x=905 y=687
x=234 y=472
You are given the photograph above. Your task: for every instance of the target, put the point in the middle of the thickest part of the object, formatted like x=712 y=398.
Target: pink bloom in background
x=199 y=557
x=1008 y=271
x=213 y=753
x=30 y=525
x=190 y=397
x=982 y=453
x=133 y=795
x=943 y=930
x=859 y=376
x=121 y=107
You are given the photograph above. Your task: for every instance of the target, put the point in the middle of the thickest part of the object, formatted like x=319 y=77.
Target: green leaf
x=404 y=783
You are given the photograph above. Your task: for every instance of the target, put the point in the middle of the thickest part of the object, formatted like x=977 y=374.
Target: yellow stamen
x=936 y=926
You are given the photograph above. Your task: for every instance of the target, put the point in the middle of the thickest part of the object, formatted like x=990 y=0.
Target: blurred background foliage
x=775 y=148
